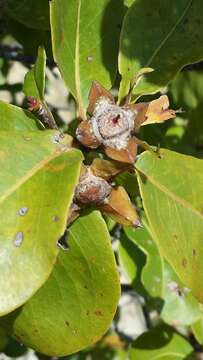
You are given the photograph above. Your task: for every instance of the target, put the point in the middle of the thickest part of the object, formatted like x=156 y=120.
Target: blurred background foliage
x=157 y=315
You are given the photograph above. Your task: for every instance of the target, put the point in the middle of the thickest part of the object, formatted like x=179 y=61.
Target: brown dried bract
x=97 y=92
x=119 y=207
x=156 y=111
x=128 y=155
x=108 y=169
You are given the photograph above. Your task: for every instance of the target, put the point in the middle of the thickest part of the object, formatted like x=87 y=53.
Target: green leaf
x=85 y=38
x=187 y=91
x=128 y=3
x=14 y=118
x=31 y=13
x=132 y=261
x=77 y=304
x=37 y=183
x=197 y=329
x=170 y=188
x=180 y=307
x=172 y=38
x=3 y=339
x=160 y=343
x=159 y=279
x=152 y=272
x=34 y=83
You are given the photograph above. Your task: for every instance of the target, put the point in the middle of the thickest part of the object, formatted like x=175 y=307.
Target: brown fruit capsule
x=112 y=125
x=91 y=189
x=85 y=135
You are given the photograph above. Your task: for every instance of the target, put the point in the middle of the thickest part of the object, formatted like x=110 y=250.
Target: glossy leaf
x=33 y=212
x=172 y=38
x=77 y=304
x=187 y=91
x=34 y=84
x=197 y=329
x=14 y=118
x=85 y=43
x=160 y=343
x=180 y=307
x=32 y=151
x=152 y=272
x=31 y=13
x=132 y=261
x=159 y=279
x=170 y=188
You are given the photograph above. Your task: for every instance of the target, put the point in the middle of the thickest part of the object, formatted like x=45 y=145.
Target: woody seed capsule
x=91 y=189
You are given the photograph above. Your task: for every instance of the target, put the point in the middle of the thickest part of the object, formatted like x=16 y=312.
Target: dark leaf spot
x=98 y=313
x=184 y=262
x=56 y=218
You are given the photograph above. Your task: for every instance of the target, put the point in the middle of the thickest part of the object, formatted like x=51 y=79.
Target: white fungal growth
x=112 y=125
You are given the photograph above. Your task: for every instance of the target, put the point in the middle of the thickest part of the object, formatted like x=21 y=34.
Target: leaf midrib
x=29 y=174
x=170 y=194
x=77 y=65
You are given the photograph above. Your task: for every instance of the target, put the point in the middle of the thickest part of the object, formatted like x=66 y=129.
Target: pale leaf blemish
x=89 y=58
x=27 y=138
x=174 y=288
x=18 y=239
x=23 y=211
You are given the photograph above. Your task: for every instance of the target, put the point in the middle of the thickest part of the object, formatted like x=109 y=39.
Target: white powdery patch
x=112 y=125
